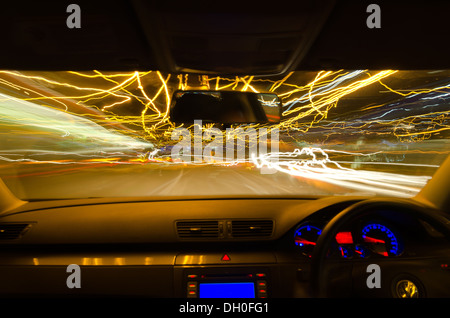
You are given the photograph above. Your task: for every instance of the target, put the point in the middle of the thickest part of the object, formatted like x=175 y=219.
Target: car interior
x=351 y=198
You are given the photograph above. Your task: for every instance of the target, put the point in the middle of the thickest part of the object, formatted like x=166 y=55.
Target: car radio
x=221 y=283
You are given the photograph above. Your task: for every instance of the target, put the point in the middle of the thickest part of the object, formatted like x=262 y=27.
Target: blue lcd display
x=227 y=290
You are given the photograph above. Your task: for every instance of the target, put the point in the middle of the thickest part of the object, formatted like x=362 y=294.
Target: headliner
x=225 y=38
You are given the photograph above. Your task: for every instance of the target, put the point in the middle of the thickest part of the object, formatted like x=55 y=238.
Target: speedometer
x=381 y=240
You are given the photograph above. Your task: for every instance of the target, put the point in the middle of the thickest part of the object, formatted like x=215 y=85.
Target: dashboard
x=214 y=248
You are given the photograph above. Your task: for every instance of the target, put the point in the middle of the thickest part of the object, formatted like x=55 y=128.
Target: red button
x=225 y=257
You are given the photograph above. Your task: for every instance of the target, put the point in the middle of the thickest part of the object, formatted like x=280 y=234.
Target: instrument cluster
x=368 y=239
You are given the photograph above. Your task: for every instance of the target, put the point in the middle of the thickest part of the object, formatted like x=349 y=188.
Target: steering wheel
x=319 y=283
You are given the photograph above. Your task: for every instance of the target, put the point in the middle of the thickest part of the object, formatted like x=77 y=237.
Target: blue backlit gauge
x=361 y=251
x=345 y=251
x=306 y=237
x=381 y=240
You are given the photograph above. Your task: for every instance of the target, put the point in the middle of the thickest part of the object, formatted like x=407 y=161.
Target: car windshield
x=109 y=134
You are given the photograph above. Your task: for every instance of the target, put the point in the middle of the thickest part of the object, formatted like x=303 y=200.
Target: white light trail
x=332 y=172
x=61 y=125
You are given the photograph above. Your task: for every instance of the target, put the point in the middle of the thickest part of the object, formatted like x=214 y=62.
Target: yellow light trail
x=305 y=107
x=315 y=103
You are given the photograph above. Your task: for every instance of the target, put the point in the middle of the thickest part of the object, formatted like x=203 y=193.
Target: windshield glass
x=105 y=134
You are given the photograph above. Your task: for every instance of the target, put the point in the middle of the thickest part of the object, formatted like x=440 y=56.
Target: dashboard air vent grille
x=198 y=229
x=11 y=231
x=252 y=228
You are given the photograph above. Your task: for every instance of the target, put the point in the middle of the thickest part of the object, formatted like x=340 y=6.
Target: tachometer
x=306 y=237
x=381 y=240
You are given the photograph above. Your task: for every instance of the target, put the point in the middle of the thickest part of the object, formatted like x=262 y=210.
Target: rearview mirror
x=225 y=107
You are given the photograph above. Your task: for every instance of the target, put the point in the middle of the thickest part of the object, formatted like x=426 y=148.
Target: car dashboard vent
x=251 y=228
x=224 y=229
x=198 y=229
x=11 y=231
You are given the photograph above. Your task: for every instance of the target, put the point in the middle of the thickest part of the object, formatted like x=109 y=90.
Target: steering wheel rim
x=360 y=209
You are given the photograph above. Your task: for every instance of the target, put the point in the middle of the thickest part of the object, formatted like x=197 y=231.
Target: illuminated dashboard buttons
x=192 y=289
x=261 y=288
